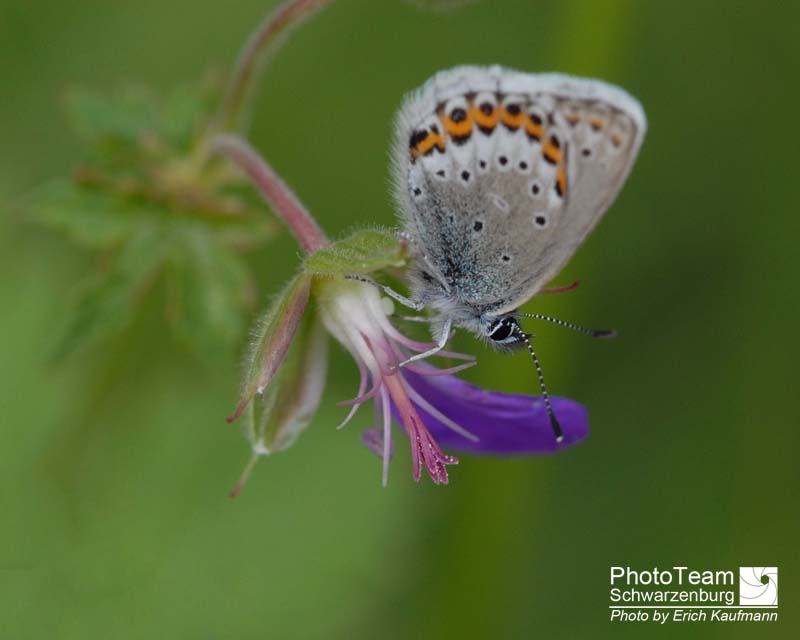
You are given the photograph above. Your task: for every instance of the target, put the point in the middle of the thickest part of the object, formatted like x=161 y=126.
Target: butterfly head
x=504 y=332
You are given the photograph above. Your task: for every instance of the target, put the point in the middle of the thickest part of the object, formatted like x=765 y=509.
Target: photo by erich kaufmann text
x=691 y=596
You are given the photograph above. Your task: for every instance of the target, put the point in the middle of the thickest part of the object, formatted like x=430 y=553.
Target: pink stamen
x=407 y=342
x=415 y=345
x=362 y=385
x=432 y=455
x=454 y=355
x=434 y=371
x=425 y=369
x=450 y=424
x=372 y=438
x=386 y=409
x=423 y=446
x=369 y=395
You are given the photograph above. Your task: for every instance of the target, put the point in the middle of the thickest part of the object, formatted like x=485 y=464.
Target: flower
x=287 y=364
x=432 y=405
x=354 y=314
x=503 y=424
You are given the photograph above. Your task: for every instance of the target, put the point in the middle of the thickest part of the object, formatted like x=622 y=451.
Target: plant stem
x=245 y=476
x=275 y=191
x=251 y=57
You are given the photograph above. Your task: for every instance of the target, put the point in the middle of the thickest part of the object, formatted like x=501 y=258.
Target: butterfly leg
x=398 y=297
x=440 y=344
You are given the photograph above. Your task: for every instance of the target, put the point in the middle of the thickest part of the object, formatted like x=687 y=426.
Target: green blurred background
x=115 y=466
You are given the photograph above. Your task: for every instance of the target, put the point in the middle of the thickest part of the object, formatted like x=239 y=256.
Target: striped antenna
x=553 y=421
x=594 y=333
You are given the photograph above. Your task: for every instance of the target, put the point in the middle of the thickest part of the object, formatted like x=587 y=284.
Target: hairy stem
x=275 y=191
x=233 y=108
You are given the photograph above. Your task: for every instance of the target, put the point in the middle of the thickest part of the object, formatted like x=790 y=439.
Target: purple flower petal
x=373 y=440
x=504 y=423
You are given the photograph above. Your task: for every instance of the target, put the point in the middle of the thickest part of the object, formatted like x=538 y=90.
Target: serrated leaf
x=89 y=218
x=184 y=111
x=272 y=337
x=363 y=252
x=107 y=303
x=126 y=116
x=208 y=287
x=275 y=421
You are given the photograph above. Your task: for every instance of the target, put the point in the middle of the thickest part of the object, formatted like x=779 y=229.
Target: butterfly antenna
x=594 y=333
x=553 y=422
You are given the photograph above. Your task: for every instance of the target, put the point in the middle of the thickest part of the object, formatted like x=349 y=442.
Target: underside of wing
x=501 y=175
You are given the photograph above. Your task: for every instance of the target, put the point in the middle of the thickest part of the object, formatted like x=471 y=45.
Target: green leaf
x=127 y=116
x=89 y=218
x=207 y=287
x=272 y=337
x=185 y=111
x=275 y=421
x=134 y=117
x=149 y=194
x=363 y=252
x=107 y=303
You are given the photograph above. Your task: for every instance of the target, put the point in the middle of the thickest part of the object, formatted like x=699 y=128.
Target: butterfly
x=499 y=176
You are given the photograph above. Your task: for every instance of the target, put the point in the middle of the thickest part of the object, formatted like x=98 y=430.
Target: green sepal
x=363 y=252
x=272 y=338
x=275 y=420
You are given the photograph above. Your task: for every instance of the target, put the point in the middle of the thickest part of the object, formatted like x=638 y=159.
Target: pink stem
x=275 y=191
x=245 y=476
x=252 y=55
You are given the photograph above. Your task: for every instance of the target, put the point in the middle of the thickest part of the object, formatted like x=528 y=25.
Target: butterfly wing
x=501 y=175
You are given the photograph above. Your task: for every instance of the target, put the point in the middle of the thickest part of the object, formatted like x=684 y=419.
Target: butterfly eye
x=502 y=330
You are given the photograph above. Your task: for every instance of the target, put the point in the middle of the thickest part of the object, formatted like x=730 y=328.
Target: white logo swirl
x=758 y=586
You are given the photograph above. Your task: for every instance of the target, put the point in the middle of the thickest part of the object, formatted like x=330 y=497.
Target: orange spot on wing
x=416 y=139
x=512 y=120
x=561 y=181
x=457 y=129
x=484 y=120
x=551 y=151
x=426 y=146
x=596 y=123
x=534 y=127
